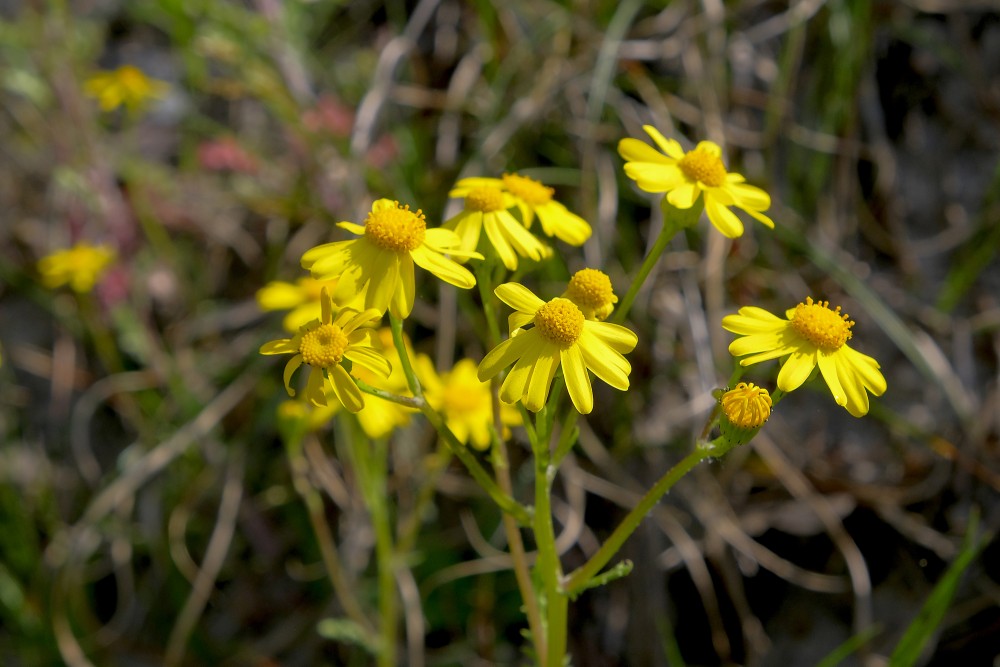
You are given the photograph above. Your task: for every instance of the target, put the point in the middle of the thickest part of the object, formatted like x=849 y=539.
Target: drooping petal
x=369 y=359
x=504 y=354
x=545 y=367
x=331 y=256
x=750 y=197
x=290 y=368
x=773 y=345
x=402 y=298
x=517 y=319
x=723 y=219
x=828 y=368
x=447 y=270
x=796 y=369
x=499 y=242
x=866 y=368
x=314 y=387
x=352 y=227
x=684 y=195
x=345 y=389
x=384 y=283
x=467 y=225
x=519 y=297
x=577 y=379
x=760 y=217
x=558 y=221
x=524 y=242
x=606 y=363
x=277 y=295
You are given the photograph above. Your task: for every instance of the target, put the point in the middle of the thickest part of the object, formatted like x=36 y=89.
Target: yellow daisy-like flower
x=463 y=400
x=745 y=408
x=79 y=267
x=591 y=291
x=533 y=198
x=302 y=298
x=378 y=267
x=560 y=336
x=127 y=86
x=685 y=176
x=323 y=345
x=812 y=335
x=487 y=208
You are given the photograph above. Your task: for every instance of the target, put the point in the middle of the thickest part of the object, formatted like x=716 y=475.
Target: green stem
x=549 y=567
x=579 y=578
x=396 y=326
x=408 y=401
x=385 y=555
x=674 y=219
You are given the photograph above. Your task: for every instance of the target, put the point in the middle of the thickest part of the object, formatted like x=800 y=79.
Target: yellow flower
x=126 y=85
x=323 y=344
x=745 y=408
x=561 y=336
x=379 y=266
x=487 y=207
x=812 y=335
x=380 y=417
x=79 y=267
x=302 y=297
x=463 y=400
x=591 y=291
x=685 y=176
x=532 y=198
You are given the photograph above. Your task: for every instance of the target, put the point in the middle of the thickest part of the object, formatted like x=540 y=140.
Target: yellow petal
x=447 y=270
x=723 y=219
x=796 y=370
x=519 y=297
x=669 y=146
x=577 y=379
x=346 y=390
x=545 y=367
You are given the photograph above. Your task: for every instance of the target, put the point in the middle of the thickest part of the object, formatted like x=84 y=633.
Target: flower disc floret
x=825 y=328
x=747 y=405
x=396 y=228
x=323 y=346
x=703 y=166
x=531 y=191
x=591 y=290
x=560 y=321
x=486 y=200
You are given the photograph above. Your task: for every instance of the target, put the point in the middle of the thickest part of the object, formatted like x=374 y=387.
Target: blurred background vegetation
x=149 y=513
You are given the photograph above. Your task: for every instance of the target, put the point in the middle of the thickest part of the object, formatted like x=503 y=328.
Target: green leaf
x=923 y=626
x=346 y=631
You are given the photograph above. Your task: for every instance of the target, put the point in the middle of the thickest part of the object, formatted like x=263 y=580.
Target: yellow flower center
x=591 y=289
x=560 y=321
x=324 y=346
x=702 y=166
x=528 y=189
x=825 y=328
x=747 y=406
x=486 y=200
x=398 y=229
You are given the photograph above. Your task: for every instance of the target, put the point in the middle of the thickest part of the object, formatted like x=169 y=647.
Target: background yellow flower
x=126 y=86
x=80 y=267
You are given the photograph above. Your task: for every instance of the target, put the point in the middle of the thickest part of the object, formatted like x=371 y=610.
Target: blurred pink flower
x=226 y=154
x=329 y=115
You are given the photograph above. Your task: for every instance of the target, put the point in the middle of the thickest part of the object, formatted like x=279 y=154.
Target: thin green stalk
x=674 y=219
x=548 y=565
x=385 y=556
x=579 y=578
x=396 y=326
x=408 y=401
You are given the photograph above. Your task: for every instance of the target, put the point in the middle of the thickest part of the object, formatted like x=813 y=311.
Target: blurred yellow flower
x=380 y=417
x=685 y=176
x=812 y=335
x=532 y=198
x=378 y=266
x=79 y=267
x=487 y=208
x=591 y=291
x=560 y=336
x=323 y=344
x=302 y=298
x=127 y=86
x=464 y=401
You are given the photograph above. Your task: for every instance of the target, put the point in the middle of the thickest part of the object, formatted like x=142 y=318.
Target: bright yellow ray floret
x=812 y=335
x=80 y=267
x=378 y=266
x=323 y=345
x=686 y=176
x=532 y=198
x=560 y=336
